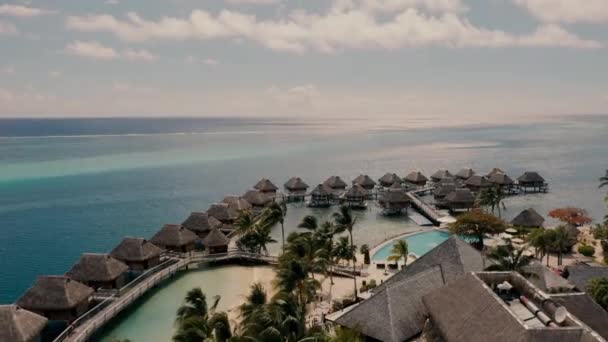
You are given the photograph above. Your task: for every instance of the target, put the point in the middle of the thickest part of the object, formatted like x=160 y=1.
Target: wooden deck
x=424 y=208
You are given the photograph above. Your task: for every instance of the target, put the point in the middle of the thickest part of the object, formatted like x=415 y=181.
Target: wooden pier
x=424 y=208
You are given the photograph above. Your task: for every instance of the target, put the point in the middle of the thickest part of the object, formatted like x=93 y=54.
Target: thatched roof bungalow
x=441 y=174
x=201 y=223
x=58 y=298
x=355 y=197
x=477 y=183
x=458 y=199
x=296 y=185
x=99 y=271
x=174 y=237
x=320 y=197
x=394 y=200
x=223 y=213
x=266 y=186
x=335 y=183
x=365 y=181
x=528 y=218
x=20 y=325
x=257 y=199
x=237 y=203
x=416 y=178
x=465 y=174
x=389 y=179
x=138 y=253
x=495 y=171
x=531 y=181
x=502 y=180
x=216 y=242
x=443 y=190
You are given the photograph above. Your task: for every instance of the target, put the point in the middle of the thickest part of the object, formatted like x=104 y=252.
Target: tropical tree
x=399 y=251
x=492 y=197
x=604 y=180
x=345 y=221
x=343 y=250
x=509 y=258
x=598 y=289
x=309 y=222
x=342 y=334
x=245 y=222
x=561 y=241
x=276 y=212
x=257 y=239
x=195 y=321
x=540 y=239
x=365 y=251
x=476 y=224
x=571 y=215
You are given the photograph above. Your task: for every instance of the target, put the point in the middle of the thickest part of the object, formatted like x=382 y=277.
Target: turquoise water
x=74 y=186
x=418 y=244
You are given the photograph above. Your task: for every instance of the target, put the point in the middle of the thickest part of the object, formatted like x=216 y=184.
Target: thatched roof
x=133 y=249
x=528 y=218
x=222 y=212
x=97 y=267
x=444 y=189
x=296 y=184
x=365 y=181
x=396 y=313
x=321 y=190
x=199 y=222
x=356 y=191
x=19 y=325
x=441 y=174
x=216 y=238
x=173 y=235
x=495 y=171
x=237 y=203
x=545 y=279
x=335 y=182
x=394 y=195
x=389 y=179
x=461 y=196
x=415 y=177
x=265 y=185
x=582 y=274
x=257 y=198
x=455 y=256
x=501 y=179
x=530 y=177
x=50 y=293
x=465 y=173
x=583 y=307
x=478 y=181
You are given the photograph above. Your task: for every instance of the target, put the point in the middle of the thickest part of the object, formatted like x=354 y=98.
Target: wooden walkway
x=424 y=208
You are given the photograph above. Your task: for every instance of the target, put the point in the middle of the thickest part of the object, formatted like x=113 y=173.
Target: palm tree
x=561 y=241
x=540 y=239
x=309 y=222
x=346 y=221
x=365 y=251
x=509 y=258
x=399 y=250
x=196 y=321
x=245 y=222
x=604 y=180
x=477 y=223
x=492 y=197
x=276 y=212
x=342 y=334
x=195 y=305
x=598 y=289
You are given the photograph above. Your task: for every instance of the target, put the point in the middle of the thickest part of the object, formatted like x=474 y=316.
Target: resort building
x=416 y=178
x=477 y=183
x=175 y=238
x=528 y=218
x=99 y=271
x=265 y=186
x=443 y=190
x=237 y=203
x=201 y=223
x=57 y=298
x=441 y=174
x=257 y=199
x=394 y=200
x=138 y=253
x=459 y=199
x=495 y=171
x=320 y=197
x=546 y=279
x=581 y=275
x=532 y=182
x=502 y=180
x=296 y=189
x=355 y=197
x=336 y=185
x=216 y=242
x=389 y=179
x=20 y=325
x=365 y=181
x=223 y=213
x=465 y=174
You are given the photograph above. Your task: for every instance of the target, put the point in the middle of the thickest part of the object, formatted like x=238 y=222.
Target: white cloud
x=206 y=61
x=96 y=50
x=567 y=11
x=338 y=29
x=435 y=6
x=7 y=70
x=253 y=2
x=23 y=11
x=7 y=28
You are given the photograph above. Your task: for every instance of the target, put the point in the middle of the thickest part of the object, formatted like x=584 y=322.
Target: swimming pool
x=418 y=244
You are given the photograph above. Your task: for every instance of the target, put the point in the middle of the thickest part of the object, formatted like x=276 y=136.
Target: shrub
x=586 y=250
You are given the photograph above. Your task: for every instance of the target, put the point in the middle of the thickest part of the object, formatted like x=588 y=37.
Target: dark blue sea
x=69 y=186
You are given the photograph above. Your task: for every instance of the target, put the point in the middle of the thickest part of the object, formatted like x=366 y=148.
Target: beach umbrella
x=511 y=231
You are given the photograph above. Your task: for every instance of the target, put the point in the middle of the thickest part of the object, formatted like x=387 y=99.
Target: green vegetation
x=476 y=224
x=195 y=321
x=493 y=198
x=399 y=251
x=345 y=221
x=598 y=289
x=365 y=251
x=509 y=258
x=586 y=250
x=558 y=241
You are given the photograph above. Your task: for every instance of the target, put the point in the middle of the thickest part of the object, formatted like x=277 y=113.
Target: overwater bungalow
x=336 y=184
x=216 y=242
x=20 y=325
x=528 y=218
x=266 y=187
x=258 y=199
x=237 y=203
x=99 y=271
x=416 y=178
x=365 y=181
x=296 y=189
x=138 y=253
x=223 y=213
x=441 y=174
x=443 y=190
x=389 y=179
x=57 y=298
x=175 y=238
x=502 y=180
x=201 y=223
x=355 y=197
x=459 y=199
x=477 y=183
x=320 y=197
x=394 y=200
x=531 y=181
x=465 y=174
x=494 y=171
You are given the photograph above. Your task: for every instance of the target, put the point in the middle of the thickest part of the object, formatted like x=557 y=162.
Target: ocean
x=69 y=186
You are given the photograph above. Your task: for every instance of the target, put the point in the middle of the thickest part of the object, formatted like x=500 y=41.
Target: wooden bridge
x=429 y=211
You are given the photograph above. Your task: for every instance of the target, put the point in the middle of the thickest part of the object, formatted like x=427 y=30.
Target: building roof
x=545 y=279
x=135 y=249
x=465 y=173
x=296 y=184
x=19 y=325
x=495 y=171
x=455 y=256
x=396 y=313
x=216 y=238
x=500 y=179
x=463 y=196
x=530 y=177
x=581 y=275
x=415 y=177
x=97 y=267
x=265 y=185
x=236 y=203
x=173 y=235
x=389 y=179
x=199 y=222
x=51 y=293
x=321 y=190
x=478 y=181
x=583 y=307
x=335 y=182
x=356 y=191
x=444 y=189
x=222 y=212
x=441 y=174
x=528 y=218
x=365 y=181
x=257 y=198
x=394 y=194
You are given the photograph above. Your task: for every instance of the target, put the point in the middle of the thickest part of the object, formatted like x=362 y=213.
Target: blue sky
x=331 y=58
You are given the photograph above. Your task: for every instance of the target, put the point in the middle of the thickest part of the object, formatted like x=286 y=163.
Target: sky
x=304 y=58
